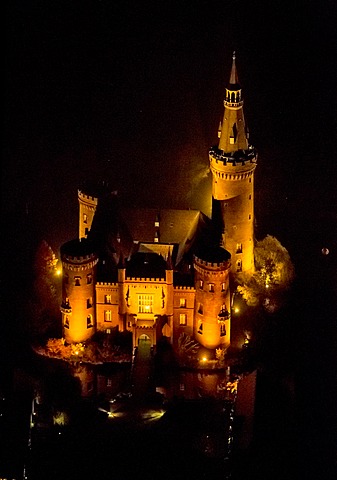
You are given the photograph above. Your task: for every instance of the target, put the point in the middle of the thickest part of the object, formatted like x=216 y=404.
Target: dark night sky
x=132 y=92
x=113 y=89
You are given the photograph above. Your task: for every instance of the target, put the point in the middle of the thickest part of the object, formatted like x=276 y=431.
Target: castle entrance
x=144 y=337
x=144 y=345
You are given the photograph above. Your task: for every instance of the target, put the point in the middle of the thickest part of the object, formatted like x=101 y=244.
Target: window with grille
x=145 y=303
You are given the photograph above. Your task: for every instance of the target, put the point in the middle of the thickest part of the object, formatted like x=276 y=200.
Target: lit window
x=183 y=319
x=89 y=279
x=77 y=281
x=183 y=303
x=201 y=284
x=86 y=231
x=107 y=299
x=239 y=248
x=107 y=315
x=66 y=279
x=223 y=287
x=211 y=287
x=249 y=217
x=145 y=303
x=89 y=302
x=89 y=321
x=201 y=309
x=85 y=218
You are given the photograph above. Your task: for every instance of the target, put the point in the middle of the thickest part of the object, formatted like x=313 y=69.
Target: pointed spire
x=234 y=79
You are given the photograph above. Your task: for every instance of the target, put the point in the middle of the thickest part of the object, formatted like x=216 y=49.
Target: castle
x=164 y=272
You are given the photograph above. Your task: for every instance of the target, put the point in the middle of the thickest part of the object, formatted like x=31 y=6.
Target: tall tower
x=232 y=164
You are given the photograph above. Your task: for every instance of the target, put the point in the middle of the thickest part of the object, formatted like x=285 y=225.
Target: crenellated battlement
x=184 y=288
x=145 y=279
x=238 y=158
x=87 y=198
x=106 y=284
x=80 y=259
x=212 y=265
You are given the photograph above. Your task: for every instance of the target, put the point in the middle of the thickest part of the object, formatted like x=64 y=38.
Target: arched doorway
x=144 y=345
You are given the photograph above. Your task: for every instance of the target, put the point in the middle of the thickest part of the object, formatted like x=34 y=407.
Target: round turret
x=211 y=327
x=78 y=290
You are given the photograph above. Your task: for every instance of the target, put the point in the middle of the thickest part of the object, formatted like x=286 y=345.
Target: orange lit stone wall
x=212 y=293
x=234 y=187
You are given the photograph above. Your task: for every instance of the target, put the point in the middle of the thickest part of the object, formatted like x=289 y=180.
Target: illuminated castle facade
x=162 y=272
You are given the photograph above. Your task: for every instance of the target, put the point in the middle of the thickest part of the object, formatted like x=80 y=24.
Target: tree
x=43 y=307
x=274 y=273
x=187 y=348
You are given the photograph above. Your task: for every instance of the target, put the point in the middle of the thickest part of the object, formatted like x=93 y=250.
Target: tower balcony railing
x=65 y=308
x=233 y=104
